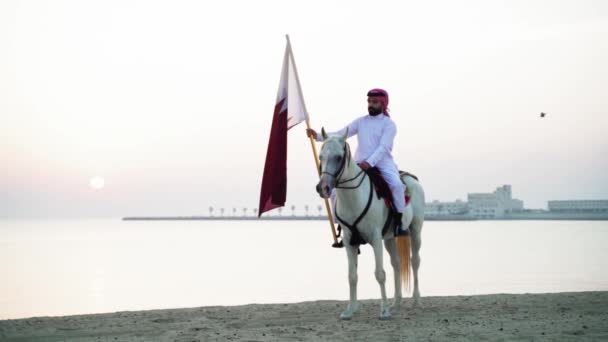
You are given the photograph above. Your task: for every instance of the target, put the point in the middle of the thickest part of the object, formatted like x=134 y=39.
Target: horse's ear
x=323 y=134
x=345 y=134
x=348 y=155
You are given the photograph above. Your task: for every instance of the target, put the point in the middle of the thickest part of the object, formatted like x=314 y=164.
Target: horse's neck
x=352 y=201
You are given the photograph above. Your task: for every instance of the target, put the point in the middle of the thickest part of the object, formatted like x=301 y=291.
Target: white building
x=485 y=206
x=495 y=204
x=587 y=206
x=517 y=205
x=437 y=208
x=478 y=205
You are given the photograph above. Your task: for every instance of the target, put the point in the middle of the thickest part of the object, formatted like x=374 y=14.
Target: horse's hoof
x=346 y=316
x=396 y=305
x=386 y=317
x=385 y=314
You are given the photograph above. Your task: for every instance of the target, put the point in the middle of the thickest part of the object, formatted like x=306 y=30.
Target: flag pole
x=312 y=142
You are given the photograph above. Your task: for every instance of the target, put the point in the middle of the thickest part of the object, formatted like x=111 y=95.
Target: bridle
x=345 y=158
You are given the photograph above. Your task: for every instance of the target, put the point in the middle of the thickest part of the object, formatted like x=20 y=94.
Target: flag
x=289 y=111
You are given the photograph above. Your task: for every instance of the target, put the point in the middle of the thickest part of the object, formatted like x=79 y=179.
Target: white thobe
x=375 y=135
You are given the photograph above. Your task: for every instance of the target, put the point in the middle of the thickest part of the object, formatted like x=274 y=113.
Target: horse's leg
x=353 y=305
x=416 y=242
x=391 y=247
x=381 y=276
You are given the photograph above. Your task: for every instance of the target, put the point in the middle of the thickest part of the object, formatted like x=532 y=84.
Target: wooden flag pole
x=312 y=143
x=327 y=207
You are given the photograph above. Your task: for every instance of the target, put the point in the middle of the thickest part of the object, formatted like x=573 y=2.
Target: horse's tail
x=404 y=242
x=403 y=245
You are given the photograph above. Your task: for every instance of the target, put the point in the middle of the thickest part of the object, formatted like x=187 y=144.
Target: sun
x=97 y=182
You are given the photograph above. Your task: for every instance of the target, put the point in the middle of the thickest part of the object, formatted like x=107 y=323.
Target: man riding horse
x=375 y=135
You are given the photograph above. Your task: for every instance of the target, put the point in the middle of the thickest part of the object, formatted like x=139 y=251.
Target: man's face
x=374 y=106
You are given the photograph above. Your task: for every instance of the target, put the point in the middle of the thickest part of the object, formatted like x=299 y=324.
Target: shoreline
x=324 y=218
x=552 y=316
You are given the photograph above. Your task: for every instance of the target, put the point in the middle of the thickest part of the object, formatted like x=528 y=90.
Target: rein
x=356 y=238
x=346 y=157
x=338 y=174
x=350 y=180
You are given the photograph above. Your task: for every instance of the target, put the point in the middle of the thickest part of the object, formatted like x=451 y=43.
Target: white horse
x=355 y=203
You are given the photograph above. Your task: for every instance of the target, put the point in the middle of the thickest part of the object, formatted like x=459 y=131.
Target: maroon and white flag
x=288 y=112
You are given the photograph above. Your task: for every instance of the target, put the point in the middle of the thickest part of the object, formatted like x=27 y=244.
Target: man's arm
x=353 y=128
x=386 y=142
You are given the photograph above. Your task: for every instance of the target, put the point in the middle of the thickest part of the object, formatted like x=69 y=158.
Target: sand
x=580 y=316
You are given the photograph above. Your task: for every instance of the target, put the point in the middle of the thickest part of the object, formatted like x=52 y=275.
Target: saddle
x=383 y=190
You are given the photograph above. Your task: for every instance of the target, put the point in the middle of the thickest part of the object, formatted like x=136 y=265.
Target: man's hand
x=364 y=165
x=311 y=132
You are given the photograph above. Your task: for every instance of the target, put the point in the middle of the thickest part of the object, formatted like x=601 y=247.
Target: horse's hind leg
x=391 y=248
x=353 y=305
x=381 y=277
x=416 y=242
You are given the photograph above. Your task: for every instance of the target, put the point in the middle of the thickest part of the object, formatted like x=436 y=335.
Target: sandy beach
x=526 y=317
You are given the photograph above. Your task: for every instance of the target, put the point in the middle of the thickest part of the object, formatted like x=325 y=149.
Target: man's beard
x=374 y=111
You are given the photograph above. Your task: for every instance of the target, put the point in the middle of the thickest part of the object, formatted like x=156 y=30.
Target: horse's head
x=333 y=158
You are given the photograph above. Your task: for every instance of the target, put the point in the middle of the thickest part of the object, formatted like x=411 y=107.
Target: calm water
x=64 y=267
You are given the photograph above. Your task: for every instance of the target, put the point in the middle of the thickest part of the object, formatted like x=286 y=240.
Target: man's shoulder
x=359 y=119
x=389 y=123
x=390 y=120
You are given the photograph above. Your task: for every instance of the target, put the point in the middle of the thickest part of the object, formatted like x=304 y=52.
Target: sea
x=64 y=267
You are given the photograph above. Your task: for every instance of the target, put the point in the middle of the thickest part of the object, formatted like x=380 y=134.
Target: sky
x=171 y=102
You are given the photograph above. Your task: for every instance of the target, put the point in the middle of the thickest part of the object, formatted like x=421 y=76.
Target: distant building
x=437 y=208
x=494 y=205
x=485 y=206
x=579 y=206
x=497 y=204
x=517 y=205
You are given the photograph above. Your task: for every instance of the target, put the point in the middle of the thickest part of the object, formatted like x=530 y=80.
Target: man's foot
x=401 y=230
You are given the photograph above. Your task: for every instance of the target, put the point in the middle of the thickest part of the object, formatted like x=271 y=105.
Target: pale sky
x=171 y=101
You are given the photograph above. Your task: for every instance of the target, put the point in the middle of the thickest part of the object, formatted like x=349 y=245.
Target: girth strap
x=356 y=238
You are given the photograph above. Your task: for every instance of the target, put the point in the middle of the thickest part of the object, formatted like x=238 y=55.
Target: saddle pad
x=382 y=188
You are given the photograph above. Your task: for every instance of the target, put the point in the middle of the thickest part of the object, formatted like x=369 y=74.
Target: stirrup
x=338 y=244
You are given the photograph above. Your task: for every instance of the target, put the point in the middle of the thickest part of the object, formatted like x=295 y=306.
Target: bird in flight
x=542 y=115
